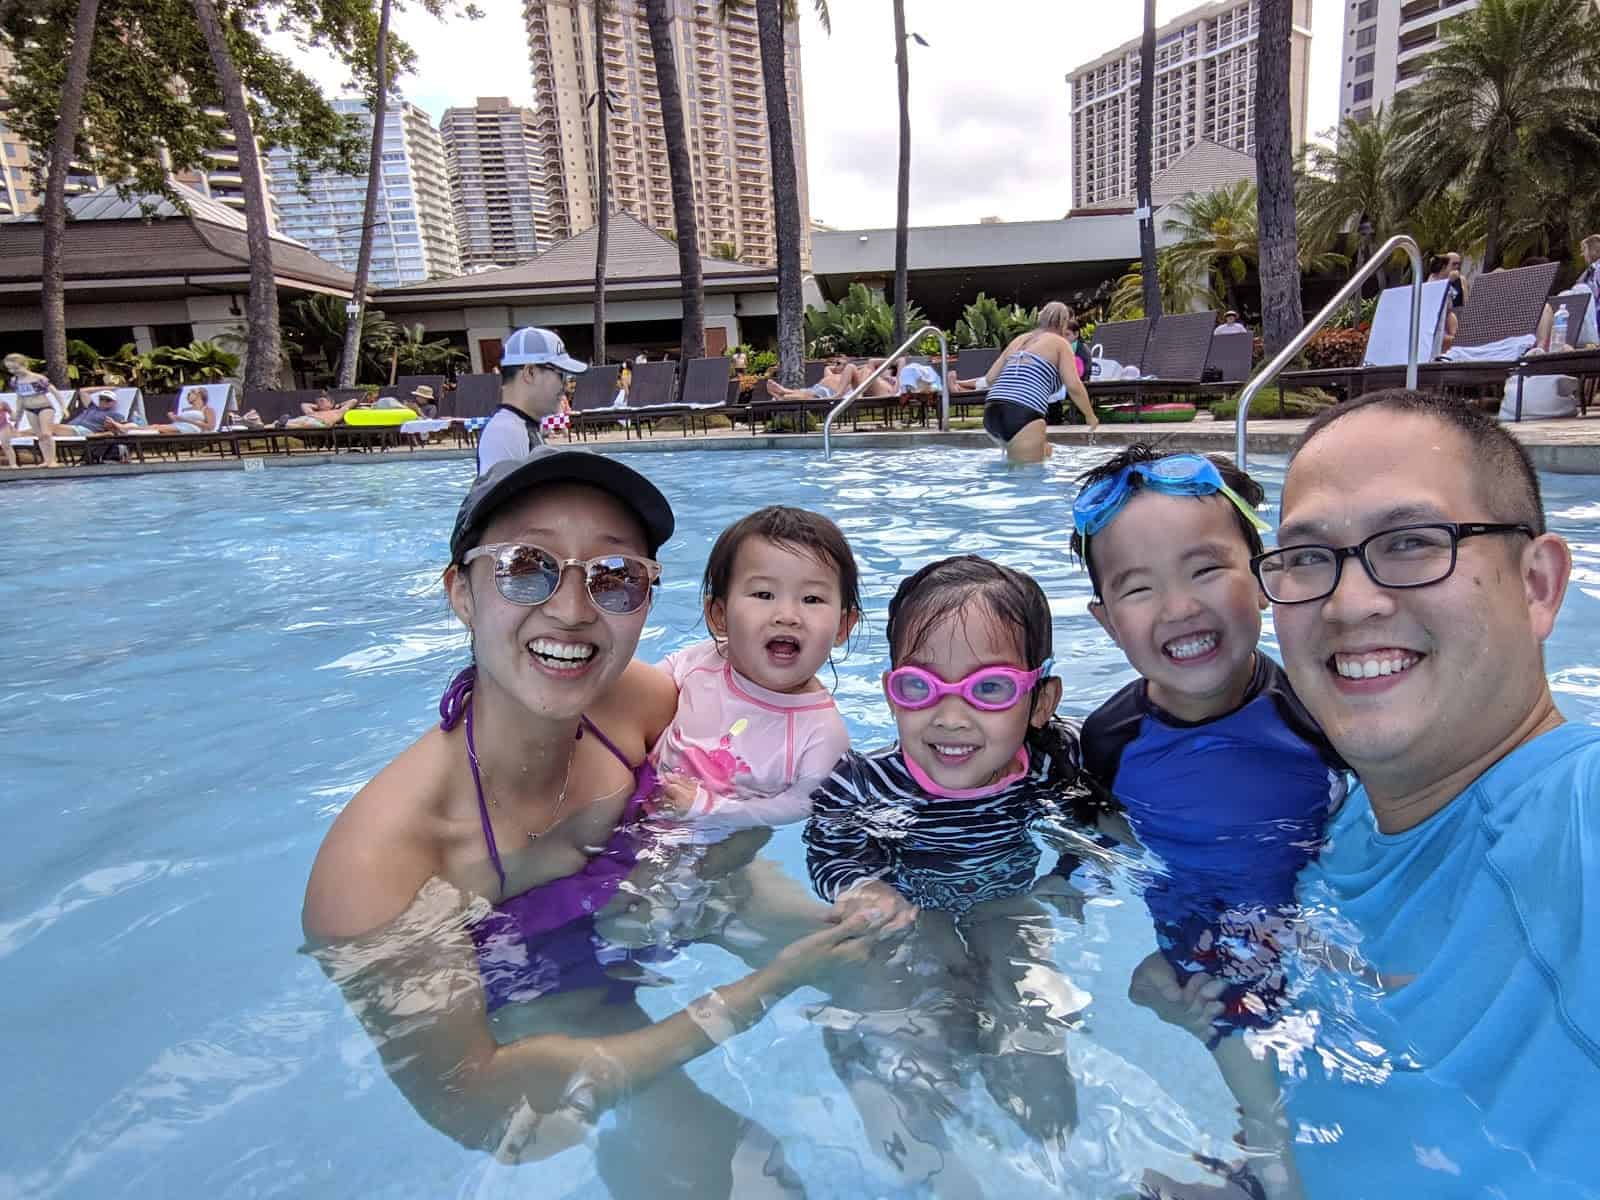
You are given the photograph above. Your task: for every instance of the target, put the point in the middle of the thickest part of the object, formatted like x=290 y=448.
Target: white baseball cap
x=539 y=347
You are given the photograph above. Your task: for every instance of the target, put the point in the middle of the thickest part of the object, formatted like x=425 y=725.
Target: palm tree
x=53 y=280
x=770 y=17
x=203 y=362
x=358 y=297
x=1218 y=239
x=416 y=355
x=602 y=183
x=261 y=312
x=1178 y=290
x=314 y=329
x=903 y=197
x=1144 y=141
x=1281 y=314
x=1512 y=83
x=658 y=15
x=1351 y=184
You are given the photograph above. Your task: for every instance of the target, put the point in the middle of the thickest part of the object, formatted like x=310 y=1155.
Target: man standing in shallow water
x=1413 y=588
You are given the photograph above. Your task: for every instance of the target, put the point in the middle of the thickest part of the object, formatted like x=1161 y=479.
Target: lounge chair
x=709 y=388
x=596 y=390
x=1174 y=359
x=1566 y=378
x=1230 y=357
x=1493 y=331
x=1386 y=340
x=649 y=398
x=1123 y=342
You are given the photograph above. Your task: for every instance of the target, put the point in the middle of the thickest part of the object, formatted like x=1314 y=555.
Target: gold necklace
x=477 y=775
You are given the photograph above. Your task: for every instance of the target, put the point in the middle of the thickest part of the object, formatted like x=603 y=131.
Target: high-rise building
x=1204 y=92
x=219 y=179
x=497 y=182
x=719 y=71
x=20 y=192
x=414 y=234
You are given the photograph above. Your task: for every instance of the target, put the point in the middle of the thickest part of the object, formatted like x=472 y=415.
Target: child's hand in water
x=677 y=797
x=1192 y=1005
x=884 y=908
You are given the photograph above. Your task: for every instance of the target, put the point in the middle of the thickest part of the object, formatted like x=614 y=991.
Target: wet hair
x=1054 y=316
x=1013 y=600
x=793 y=528
x=1503 y=473
x=1141 y=452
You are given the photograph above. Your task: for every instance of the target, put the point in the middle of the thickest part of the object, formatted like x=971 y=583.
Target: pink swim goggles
x=988 y=689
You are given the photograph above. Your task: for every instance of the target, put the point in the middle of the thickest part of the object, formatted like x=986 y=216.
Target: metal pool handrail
x=1288 y=353
x=854 y=393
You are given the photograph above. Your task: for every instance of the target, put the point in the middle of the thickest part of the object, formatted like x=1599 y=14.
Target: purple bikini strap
x=455 y=706
x=483 y=808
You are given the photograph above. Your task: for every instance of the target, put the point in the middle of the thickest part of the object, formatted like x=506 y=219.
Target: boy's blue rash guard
x=1233 y=806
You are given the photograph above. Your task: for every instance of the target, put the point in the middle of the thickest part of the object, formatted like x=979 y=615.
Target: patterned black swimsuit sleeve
x=840 y=852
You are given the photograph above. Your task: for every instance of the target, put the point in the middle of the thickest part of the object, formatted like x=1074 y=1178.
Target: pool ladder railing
x=854 y=393
x=1288 y=354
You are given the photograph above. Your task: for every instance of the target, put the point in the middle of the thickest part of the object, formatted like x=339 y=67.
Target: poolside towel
x=1391 y=323
x=1505 y=350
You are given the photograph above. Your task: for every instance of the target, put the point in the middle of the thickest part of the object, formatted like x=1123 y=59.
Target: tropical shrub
x=987 y=322
x=1334 y=348
x=860 y=324
x=756 y=362
x=415 y=355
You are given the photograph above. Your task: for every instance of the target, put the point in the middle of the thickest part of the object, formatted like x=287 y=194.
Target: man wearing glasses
x=1455 y=981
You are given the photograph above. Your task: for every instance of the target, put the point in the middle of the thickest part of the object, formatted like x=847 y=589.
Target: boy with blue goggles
x=1220 y=772
x=1175 y=475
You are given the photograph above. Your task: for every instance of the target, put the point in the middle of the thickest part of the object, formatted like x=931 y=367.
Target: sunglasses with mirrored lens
x=618 y=584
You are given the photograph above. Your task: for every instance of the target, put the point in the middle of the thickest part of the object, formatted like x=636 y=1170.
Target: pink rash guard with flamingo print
x=756 y=754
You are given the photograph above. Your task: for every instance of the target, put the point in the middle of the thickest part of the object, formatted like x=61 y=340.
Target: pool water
x=201 y=669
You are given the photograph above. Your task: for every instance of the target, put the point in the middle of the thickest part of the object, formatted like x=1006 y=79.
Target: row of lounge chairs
x=1494 y=335
x=1179 y=355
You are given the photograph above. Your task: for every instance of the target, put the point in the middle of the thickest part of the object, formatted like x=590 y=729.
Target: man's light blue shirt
x=1461 y=1056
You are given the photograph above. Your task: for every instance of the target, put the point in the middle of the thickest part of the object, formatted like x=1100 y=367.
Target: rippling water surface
x=201 y=669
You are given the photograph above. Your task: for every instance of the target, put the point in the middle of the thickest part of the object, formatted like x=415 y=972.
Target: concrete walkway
x=1566 y=447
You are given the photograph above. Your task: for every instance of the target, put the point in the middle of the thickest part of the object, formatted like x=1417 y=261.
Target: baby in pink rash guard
x=754 y=754
x=755 y=731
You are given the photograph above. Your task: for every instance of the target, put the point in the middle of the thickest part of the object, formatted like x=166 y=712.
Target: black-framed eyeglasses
x=1407 y=556
x=618 y=584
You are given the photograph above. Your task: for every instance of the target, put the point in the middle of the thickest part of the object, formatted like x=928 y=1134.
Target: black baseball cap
x=513 y=477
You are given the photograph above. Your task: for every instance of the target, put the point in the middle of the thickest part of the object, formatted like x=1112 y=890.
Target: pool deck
x=1569 y=447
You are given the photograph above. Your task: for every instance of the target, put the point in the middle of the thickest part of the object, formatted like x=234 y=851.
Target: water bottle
x=1558 y=330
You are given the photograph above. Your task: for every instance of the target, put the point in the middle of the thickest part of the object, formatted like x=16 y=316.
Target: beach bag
x=1101 y=367
x=1544 y=398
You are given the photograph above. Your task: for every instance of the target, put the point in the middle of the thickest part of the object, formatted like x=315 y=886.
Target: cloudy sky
x=989 y=115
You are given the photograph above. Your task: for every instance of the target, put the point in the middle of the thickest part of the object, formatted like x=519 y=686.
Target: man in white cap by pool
x=534 y=366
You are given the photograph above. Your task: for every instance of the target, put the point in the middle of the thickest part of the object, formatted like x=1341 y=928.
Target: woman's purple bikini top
x=542 y=942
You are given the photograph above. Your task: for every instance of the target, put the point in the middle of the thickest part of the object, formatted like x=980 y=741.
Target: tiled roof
x=110 y=236
x=634 y=252
x=1204 y=167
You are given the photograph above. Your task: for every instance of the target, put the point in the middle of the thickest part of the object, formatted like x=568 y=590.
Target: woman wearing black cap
x=453 y=900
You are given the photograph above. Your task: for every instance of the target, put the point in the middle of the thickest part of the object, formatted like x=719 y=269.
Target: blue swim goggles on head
x=1175 y=475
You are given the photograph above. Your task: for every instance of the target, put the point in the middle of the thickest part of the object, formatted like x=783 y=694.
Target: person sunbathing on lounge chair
x=839 y=378
x=324 y=414
x=200 y=417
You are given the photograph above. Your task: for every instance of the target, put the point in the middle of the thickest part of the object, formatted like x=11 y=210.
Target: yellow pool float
x=379 y=416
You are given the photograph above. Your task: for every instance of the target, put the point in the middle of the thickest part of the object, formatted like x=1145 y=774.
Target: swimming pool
x=202 y=668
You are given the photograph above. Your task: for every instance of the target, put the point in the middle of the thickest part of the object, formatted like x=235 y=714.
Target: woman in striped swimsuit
x=1022 y=381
